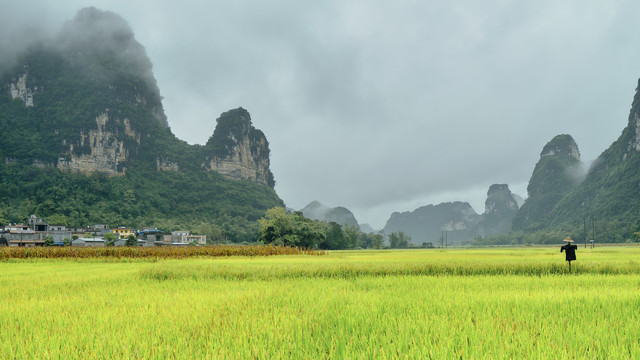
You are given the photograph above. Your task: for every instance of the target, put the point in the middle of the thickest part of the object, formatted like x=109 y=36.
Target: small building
x=88 y=242
x=80 y=231
x=37 y=224
x=183 y=237
x=59 y=236
x=57 y=227
x=149 y=236
x=16 y=227
x=122 y=233
x=26 y=238
x=148 y=231
x=99 y=227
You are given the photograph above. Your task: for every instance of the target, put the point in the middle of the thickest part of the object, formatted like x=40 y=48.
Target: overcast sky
x=384 y=106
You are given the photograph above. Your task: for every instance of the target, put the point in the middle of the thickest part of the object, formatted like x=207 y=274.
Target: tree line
x=279 y=227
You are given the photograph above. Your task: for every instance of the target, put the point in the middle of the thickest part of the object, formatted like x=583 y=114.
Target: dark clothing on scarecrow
x=570 y=250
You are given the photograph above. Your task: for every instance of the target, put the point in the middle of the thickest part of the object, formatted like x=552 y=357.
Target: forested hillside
x=601 y=203
x=84 y=140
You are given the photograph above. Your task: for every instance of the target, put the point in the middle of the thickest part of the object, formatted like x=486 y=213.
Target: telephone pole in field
x=585 y=230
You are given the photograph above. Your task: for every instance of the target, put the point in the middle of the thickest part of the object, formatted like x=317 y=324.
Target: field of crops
x=149 y=253
x=458 y=303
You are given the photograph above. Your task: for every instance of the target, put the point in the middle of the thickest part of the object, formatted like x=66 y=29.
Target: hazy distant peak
x=341 y=215
x=367 y=229
x=500 y=200
x=315 y=204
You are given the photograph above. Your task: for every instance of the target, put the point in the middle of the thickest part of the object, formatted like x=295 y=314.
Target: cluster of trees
x=110 y=240
x=49 y=241
x=280 y=227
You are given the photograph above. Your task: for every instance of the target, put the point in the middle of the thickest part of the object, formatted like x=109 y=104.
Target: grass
x=364 y=304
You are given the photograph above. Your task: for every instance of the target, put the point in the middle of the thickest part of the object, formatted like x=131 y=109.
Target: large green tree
x=281 y=228
x=110 y=239
x=399 y=240
x=131 y=240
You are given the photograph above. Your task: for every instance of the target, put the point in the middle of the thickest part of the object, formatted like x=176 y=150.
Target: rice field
x=150 y=253
x=417 y=304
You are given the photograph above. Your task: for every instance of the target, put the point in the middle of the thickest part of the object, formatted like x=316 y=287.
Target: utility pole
x=593 y=229
x=585 y=230
x=446 y=238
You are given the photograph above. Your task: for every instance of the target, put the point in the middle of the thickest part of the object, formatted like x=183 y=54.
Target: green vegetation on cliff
x=84 y=140
x=554 y=176
x=166 y=199
x=608 y=200
x=602 y=203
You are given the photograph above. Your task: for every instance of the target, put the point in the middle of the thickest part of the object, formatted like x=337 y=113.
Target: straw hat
x=568 y=239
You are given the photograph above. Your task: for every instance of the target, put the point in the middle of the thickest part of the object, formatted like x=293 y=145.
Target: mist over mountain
x=340 y=215
x=94 y=38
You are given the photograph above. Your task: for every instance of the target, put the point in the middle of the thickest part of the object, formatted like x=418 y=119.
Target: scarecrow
x=570 y=250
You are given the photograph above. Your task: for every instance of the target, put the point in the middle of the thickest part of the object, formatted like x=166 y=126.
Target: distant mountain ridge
x=457 y=221
x=427 y=223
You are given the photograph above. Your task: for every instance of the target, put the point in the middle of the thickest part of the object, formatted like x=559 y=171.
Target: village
x=37 y=232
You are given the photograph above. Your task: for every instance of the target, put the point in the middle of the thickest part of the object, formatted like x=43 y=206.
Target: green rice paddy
x=416 y=304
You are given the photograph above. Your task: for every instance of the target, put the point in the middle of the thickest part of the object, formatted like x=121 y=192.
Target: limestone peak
x=561 y=145
x=500 y=200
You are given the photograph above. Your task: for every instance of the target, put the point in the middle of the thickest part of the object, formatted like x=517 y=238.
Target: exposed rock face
x=634 y=143
x=105 y=152
x=341 y=215
x=237 y=150
x=166 y=165
x=18 y=89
